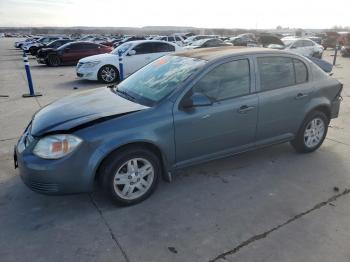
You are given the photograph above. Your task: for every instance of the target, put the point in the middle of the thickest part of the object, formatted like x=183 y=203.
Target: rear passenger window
x=226 y=81
x=163 y=47
x=301 y=74
x=275 y=72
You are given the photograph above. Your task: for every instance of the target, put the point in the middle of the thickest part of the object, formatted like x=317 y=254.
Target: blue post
x=335 y=54
x=29 y=78
x=121 y=66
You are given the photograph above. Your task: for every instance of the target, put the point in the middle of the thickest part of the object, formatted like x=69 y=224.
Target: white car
x=194 y=38
x=303 y=46
x=18 y=44
x=173 y=39
x=135 y=54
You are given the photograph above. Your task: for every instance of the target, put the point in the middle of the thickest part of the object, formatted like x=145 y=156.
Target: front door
x=228 y=124
x=142 y=57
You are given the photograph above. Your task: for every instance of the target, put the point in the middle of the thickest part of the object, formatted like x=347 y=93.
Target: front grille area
x=43 y=187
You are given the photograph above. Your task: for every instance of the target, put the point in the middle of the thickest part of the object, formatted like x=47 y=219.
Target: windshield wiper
x=125 y=94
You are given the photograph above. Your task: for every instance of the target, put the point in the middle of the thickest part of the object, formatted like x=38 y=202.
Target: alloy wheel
x=108 y=74
x=314 y=132
x=134 y=178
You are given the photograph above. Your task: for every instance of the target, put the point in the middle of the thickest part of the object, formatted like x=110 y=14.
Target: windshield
x=63 y=46
x=159 y=78
x=123 y=47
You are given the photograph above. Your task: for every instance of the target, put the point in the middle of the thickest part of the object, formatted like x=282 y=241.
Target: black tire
x=116 y=161
x=53 y=60
x=112 y=69
x=32 y=51
x=299 y=142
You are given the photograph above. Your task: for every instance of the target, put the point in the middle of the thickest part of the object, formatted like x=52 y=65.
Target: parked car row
x=99 y=62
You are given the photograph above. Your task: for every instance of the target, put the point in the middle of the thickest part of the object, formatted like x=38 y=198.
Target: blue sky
x=204 y=13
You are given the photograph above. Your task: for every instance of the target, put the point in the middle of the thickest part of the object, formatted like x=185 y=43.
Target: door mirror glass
x=196 y=100
x=132 y=52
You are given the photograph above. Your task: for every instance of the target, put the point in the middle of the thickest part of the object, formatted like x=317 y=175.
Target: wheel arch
x=324 y=108
x=145 y=144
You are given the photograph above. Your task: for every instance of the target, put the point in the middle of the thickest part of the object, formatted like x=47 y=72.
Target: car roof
x=150 y=41
x=213 y=53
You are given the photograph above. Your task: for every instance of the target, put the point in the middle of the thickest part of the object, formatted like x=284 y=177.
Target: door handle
x=245 y=109
x=301 y=96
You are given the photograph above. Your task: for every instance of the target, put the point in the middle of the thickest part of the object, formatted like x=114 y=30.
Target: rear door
x=284 y=91
x=89 y=49
x=228 y=124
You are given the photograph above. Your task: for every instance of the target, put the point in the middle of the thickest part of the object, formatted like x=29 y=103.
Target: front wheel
x=53 y=60
x=108 y=74
x=312 y=133
x=32 y=51
x=130 y=176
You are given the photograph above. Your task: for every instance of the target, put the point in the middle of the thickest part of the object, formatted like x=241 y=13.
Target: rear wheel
x=53 y=60
x=312 y=132
x=130 y=176
x=108 y=74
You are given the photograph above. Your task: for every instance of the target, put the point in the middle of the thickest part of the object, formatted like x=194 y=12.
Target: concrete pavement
x=268 y=205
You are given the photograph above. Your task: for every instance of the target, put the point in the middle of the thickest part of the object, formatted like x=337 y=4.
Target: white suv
x=303 y=46
x=136 y=54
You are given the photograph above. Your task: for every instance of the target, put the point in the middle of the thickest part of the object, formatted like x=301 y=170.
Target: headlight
x=56 y=146
x=91 y=64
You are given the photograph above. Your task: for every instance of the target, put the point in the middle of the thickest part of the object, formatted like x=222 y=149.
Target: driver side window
x=226 y=81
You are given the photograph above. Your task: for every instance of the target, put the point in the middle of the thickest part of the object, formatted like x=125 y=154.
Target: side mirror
x=66 y=50
x=293 y=47
x=196 y=100
x=132 y=52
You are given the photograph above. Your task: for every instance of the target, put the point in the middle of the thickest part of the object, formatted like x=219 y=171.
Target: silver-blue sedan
x=180 y=110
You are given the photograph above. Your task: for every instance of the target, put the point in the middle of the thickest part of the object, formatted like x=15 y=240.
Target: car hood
x=99 y=57
x=80 y=109
x=46 y=49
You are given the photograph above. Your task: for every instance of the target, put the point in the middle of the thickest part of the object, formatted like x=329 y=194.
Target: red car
x=71 y=53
